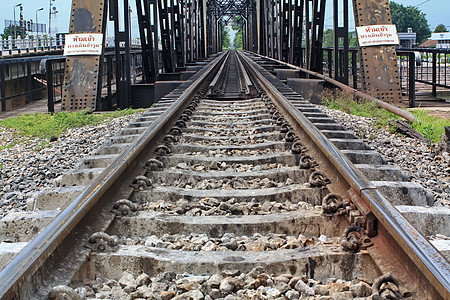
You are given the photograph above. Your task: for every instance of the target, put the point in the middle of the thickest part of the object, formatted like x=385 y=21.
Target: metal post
x=179 y=32
x=2 y=87
x=146 y=34
x=49 y=78
x=164 y=24
x=29 y=83
x=109 y=78
x=318 y=19
x=298 y=33
x=378 y=64
x=285 y=30
x=340 y=34
x=434 y=74
x=83 y=94
x=412 y=79
x=354 y=70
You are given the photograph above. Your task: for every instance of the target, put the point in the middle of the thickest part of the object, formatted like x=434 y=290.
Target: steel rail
x=40 y=249
x=219 y=76
x=392 y=108
x=248 y=84
x=420 y=251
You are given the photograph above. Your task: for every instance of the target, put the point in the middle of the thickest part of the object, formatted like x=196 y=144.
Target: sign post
x=84 y=53
x=378 y=58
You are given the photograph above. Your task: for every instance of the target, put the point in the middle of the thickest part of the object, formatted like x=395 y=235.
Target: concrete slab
x=428 y=220
x=24 y=226
x=309 y=222
x=328 y=261
x=295 y=193
x=8 y=251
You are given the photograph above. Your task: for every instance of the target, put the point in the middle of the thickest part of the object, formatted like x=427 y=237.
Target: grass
x=46 y=125
x=429 y=126
x=344 y=102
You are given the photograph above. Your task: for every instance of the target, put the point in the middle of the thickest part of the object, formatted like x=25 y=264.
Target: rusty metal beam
x=378 y=64
x=81 y=81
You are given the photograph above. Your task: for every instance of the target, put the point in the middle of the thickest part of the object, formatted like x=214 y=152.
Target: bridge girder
x=173 y=33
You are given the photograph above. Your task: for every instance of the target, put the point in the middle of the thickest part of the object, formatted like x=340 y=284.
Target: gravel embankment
x=417 y=159
x=27 y=167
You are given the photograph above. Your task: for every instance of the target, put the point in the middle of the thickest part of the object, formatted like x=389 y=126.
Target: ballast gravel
x=423 y=163
x=228 y=285
x=28 y=165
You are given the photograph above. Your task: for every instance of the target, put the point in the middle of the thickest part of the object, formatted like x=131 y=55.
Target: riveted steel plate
x=81 y=77
x=378 y=64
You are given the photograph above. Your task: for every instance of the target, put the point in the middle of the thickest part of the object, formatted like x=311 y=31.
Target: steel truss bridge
x=176 y=34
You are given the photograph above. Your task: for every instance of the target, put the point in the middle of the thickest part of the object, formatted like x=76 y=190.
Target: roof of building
x=427 y=44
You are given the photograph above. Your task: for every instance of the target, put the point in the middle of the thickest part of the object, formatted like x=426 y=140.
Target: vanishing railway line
x=227 y=189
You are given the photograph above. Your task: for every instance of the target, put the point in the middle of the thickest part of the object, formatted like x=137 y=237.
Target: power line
x=422 y=3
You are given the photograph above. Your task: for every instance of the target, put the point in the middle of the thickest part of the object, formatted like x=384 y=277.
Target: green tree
x=9 y=31
x=440 y=28
x=236 y=25
x=225 y=38
x=328 y=38
x=410 y=17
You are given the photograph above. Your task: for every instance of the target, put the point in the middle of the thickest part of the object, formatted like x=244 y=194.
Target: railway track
x=230 y=193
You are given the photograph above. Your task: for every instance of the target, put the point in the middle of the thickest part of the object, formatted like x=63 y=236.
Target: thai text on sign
x=374 y=35
x=83 y=44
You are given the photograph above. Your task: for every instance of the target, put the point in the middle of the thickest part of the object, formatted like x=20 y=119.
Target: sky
x=432 y=8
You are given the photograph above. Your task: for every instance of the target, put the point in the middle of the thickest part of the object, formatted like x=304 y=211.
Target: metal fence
x=24 y=80
x=12 y=46
x=54 y=69
x=431 y=67
x=20 y=82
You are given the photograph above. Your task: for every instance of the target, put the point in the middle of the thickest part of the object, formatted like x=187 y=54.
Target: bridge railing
x=54 y=69
x=20 y=82
x=353 y=65
x=428 y=67
x=28 y=79
x=29 y=44
x=432 y=67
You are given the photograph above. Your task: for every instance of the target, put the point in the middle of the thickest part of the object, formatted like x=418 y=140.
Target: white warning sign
x=375 y=35
x=83 y=44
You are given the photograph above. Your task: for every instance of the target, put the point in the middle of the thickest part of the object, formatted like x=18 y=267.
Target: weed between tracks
x=429 y=126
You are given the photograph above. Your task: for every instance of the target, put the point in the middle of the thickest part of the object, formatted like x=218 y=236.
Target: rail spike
x=298 y=148
x=140 y=183
x=101 y=242
x=181 y=123
x=386 y=287
x=124 y=208
x=318 y=179
x=331 y=203
x=154 y=165
x=162 y=150
x=354 y=239
x=307 y=162
x=285 y=127
x=175 y=131
x=290 y=136
x=63 y=292
x=170 y=139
